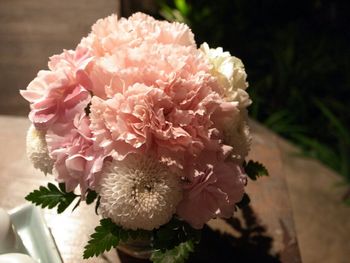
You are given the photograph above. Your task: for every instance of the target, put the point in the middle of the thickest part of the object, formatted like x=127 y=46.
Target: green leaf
x=52 y=196
x=173 y=233
x=340 y=128
x=255 y=169
x=282 y=122
x=62 y=187
x=315 y=149
x=244 y=202
x=105 y=237
x=76 y=205
x=347 y=201
x=91 y=196
x=97 y=204
x=108 y=235
x=182 y=6
x=178 y=254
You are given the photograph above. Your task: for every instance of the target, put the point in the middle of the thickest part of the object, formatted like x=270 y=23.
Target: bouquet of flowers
x=148 y=125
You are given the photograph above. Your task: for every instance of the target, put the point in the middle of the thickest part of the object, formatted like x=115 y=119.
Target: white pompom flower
x=231 y=74
x=37 y=150
x=139 y=193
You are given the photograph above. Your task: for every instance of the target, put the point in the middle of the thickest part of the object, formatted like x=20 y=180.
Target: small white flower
x=139 y=193
x=237 y=134
x=231 y=74
x=37 y=151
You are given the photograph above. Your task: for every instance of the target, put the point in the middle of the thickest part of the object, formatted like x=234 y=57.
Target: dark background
x=297 y=57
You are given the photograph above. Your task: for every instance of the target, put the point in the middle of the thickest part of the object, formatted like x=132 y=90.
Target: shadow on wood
x=252 y=244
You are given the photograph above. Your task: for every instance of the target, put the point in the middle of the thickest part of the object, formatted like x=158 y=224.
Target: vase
x=139 y=248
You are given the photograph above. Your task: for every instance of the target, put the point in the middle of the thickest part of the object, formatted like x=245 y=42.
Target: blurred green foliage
x=297 y=56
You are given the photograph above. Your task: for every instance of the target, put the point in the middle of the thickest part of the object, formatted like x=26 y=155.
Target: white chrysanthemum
x=237 y=134
x=231 y=74
x=139 y=193
x=37 y=151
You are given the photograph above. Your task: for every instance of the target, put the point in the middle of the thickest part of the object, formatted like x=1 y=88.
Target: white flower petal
x=230 y=72
x=37 y=151
x=139 y=192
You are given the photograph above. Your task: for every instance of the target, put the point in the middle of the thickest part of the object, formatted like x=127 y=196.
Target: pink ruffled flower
x=110 y=33
x=60 y=93
x=77 y=161
x=212 y=190
x=140 y=49
x=154 y=92
x=147 y=120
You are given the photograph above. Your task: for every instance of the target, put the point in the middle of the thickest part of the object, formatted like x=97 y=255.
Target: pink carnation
x=60 y=93
x=58 y=98
x=155 y=91
x=77 y=161
x=145 y=119
x=212 y=189
x=110 y=34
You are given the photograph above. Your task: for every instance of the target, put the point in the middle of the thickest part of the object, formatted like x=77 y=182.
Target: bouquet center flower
x=139 y=188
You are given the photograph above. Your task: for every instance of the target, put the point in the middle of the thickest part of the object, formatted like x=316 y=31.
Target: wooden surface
x=321 y=218
x=33 y=30
x=264 y=231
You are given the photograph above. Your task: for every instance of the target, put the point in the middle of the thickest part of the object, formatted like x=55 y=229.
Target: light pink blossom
x=147 y=120
x=212 y=189
x=110 y=33
x=153 y=90
x=76 y=160
x=60 y=93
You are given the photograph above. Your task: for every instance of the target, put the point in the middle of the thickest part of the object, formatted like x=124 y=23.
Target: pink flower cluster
x=139 y=86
